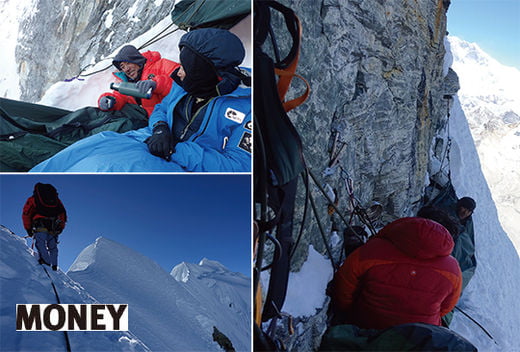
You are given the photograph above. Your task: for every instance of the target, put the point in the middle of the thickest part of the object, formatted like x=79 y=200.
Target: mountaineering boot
x=41 y=262
x=54 y=267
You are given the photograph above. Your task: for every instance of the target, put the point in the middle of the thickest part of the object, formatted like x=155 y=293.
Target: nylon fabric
x=202 y=13
x=406 y=337
x=203 y=151
x=40 y=132
x=374 y=281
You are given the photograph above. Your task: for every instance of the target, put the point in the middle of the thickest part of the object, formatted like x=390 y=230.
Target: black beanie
x=129 y=53
x=467 y=203
x=201 y=76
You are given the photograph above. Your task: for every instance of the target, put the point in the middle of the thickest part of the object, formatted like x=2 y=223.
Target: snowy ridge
x=213 y=284
x=23 y=281
x=163 y=313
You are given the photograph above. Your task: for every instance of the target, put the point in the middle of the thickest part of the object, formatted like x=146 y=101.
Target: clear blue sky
x=493 y=25
x=168 y=218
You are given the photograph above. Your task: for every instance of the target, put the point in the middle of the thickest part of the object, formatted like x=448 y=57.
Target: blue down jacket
x=222 y=143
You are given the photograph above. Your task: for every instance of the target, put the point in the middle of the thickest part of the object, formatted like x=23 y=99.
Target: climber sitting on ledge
x=404 y=274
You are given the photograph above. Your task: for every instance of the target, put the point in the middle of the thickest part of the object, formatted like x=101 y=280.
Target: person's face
x=181 y=73
x=464 y=213
x=130 y=69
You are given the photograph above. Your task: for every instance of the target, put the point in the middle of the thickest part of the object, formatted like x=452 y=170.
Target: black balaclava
x=201 y=76
x=129 y=53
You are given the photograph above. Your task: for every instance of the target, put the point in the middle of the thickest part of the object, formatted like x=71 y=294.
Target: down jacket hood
x=129 y=53
x=418 y=237
x=222 y=49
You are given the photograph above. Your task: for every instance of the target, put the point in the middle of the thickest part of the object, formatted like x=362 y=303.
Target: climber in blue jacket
x=202 y=125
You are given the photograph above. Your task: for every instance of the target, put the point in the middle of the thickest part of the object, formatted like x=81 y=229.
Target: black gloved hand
x=30 y=232
x=144 y=86
x=107 y=102
x=160 y=143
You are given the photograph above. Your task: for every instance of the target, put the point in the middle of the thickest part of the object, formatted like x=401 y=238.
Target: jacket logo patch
x=246 y=142
x=234 y=115
x=249 y=125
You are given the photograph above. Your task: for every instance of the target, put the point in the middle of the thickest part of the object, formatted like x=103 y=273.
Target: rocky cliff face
x=52 y=39
x=376 y=74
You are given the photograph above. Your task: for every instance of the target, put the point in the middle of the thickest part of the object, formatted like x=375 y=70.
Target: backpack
x=49 y=206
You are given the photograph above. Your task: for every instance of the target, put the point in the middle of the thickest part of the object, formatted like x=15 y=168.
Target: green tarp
x=31 y=133
x=225 y=14
x=406 y=337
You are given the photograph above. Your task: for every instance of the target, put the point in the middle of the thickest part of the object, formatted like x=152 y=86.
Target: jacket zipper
x=185 y=130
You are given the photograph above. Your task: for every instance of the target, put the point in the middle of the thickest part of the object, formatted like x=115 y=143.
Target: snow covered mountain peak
x=181 y=272
x=212 y=264
x=485 y=77
x=490 y=100
x=178 y=318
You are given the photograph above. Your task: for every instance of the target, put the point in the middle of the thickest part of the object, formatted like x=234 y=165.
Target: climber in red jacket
x=404 y=274
x=44 y=217
x=148 y=70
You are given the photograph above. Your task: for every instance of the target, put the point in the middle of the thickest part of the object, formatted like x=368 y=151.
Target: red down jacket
x=30 y=214
x=404 y=274
x=155 y=68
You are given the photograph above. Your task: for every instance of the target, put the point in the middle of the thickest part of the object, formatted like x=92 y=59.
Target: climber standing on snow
x=149 y=70
x=44 y=217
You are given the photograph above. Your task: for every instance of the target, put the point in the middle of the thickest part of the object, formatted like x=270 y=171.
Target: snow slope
x=162 y=312
x=230 y=293
x=23 y=281
x=491 y=102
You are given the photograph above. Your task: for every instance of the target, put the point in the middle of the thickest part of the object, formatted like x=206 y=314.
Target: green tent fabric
x=406 y=337
x=31 y=133
x=224 y=14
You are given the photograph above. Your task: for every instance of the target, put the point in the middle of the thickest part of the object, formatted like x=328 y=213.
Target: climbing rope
x=154 y=39
x=67 y=341
x=446 y=155
x=477 y=323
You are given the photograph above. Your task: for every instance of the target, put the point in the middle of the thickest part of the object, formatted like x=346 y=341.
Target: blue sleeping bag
x=222 y=143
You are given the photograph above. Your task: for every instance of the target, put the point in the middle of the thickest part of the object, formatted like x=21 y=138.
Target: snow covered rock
x=53 y=34
x=228 y=292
